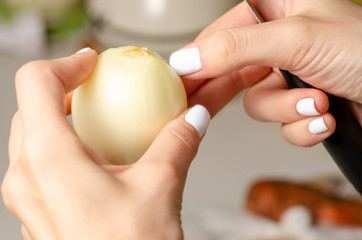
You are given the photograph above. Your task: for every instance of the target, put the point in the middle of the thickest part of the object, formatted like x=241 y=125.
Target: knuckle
x=301 y=28
x=288 y=134
x=27 y=71
x=16 y=118
x=292 y=135
x=237 y=81
x=35 y=158
x=164 y=178
x=185 y=137
x=30 y=154
x=252 y=105
x=170 y=173
x=31 y=74
x=36 y=72
x=6 y=192
x=300 y=25
x=12 y=191
x=228 y=42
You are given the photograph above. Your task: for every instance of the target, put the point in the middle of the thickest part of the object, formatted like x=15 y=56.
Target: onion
x=130 y=96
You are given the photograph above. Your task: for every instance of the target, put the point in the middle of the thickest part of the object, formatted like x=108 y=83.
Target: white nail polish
x=186 y=61
x=199 y=118
x=87 y=49
x=317 y=126
x=306 y=107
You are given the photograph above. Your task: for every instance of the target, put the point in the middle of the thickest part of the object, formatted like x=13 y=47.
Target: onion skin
x=130 y=96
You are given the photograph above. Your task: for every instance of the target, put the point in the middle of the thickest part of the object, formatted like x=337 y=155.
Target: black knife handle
x=345 y=144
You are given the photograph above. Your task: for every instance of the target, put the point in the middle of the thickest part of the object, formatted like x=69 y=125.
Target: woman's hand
x=319 y=41
x=60 y=189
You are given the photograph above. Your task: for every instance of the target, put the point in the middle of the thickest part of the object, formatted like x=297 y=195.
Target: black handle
x=345 y=144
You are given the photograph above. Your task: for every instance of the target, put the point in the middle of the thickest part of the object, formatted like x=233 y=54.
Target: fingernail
x=306 y=107
x=186 y=61
x=199 y=118
x=317 y=126
x=87 y=49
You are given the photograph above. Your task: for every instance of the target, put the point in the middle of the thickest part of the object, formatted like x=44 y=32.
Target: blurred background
x=237 y=151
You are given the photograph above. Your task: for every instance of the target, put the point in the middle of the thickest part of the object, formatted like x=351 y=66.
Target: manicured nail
x=186 y=61
x=199 y=118
x=306 y=107
x=317 y=126
x=87 y=49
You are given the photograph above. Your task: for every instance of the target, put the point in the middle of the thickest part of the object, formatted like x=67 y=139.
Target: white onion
x=131 y=95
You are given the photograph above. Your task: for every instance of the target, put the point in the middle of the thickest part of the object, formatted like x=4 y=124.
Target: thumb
x=277 y=43
x=178 y=142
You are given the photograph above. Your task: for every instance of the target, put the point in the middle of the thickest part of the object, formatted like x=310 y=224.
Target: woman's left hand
x=60 y=189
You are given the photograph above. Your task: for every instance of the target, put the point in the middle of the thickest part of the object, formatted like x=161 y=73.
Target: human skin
x=61 y=189
x=319 y=41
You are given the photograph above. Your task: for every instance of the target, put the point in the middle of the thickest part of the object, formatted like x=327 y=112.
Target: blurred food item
x=337 y=186
x=24 y=35
x=60 y=17
x=128 y=83
x=272 y=198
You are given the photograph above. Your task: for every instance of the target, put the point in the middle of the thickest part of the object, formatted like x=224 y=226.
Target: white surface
x=221 y=223
x=236 y=151
x=298 y=219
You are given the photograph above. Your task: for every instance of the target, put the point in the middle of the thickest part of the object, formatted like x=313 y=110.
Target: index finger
x=41 y=87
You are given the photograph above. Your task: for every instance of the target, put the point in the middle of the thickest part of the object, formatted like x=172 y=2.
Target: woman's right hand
x=319 y=41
